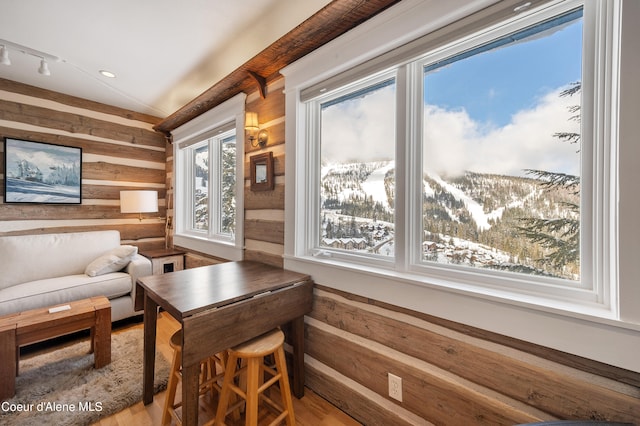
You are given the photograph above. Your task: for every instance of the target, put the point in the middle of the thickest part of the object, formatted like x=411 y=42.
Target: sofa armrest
x=139 y=266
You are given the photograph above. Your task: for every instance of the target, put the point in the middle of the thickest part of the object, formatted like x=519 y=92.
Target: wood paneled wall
x=264 y=210
x=120 y=151
x=452 y=374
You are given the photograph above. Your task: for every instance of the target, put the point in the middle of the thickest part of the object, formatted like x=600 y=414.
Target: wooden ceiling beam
x=330 y=22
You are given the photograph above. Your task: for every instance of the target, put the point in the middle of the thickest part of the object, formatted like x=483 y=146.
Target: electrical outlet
x=395 y=387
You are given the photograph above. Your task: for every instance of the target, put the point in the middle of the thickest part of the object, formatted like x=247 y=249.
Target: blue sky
x=497 y=111
x=493 y=85
x=493 y=112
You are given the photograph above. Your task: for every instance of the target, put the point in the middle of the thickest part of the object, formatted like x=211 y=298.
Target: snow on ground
x=374 y=185
x=475 y=209
x=428 y=190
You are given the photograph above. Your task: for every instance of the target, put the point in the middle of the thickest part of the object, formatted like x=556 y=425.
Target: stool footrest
x=269 y=383
x=279 y=419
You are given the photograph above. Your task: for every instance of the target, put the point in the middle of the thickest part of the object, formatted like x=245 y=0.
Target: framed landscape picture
x=41 y=173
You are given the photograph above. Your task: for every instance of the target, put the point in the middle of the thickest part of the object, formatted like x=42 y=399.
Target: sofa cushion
x=112 y=261
x=28 y=258
x=55 y=291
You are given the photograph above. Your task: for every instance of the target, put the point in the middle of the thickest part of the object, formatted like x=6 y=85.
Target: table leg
x=150 y=322
x=297 y=343
x=190 y=376
x=8 y=369
x=101 y=338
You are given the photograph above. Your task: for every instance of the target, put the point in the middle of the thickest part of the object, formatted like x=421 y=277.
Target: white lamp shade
x=138 y=201
x=251 y=121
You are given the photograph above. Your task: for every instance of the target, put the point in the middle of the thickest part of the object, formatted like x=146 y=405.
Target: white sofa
x=51 y=269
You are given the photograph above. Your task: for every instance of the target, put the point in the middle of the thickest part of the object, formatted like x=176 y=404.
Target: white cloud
x=455 y=143
x=363 y=129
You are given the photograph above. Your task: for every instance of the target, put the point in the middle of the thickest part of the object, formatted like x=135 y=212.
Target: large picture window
x=471 y=158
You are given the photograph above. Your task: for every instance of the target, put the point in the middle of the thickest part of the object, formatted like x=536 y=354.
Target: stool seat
x=208 y=377
x=263 y=345
x=253 y=353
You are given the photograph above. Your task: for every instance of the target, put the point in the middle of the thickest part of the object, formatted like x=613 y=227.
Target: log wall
x=452 y=374
x=264 y=210
x=120 y=151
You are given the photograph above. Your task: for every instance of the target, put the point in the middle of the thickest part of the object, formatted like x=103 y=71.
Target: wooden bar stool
x=208 y=378
x=253 y=353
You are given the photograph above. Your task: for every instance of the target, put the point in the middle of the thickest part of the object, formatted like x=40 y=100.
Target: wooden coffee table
x=37 y=325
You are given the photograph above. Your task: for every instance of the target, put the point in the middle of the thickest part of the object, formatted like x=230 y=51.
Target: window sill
x=224 y=250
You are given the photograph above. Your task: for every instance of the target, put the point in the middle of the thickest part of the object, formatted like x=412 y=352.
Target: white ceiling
x=163 y=52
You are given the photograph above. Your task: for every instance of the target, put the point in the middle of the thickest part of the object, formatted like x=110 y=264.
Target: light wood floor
x=311 y=410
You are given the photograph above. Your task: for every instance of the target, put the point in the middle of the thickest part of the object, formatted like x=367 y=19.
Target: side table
x=165 y=260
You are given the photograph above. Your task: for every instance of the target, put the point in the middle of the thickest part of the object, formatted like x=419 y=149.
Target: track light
x=4 y=56
x=44 y=68
x=43 y=56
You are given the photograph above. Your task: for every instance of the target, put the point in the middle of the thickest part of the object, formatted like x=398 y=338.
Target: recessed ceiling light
x=107 y=74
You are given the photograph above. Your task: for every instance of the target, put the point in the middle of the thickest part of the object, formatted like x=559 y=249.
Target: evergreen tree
x=228 y=185
x=560 y=236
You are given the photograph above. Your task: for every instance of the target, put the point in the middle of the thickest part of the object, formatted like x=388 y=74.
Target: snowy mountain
x=471 y=219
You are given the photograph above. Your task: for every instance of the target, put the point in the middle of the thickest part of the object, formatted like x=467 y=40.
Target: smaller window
x=208 y=163
x=211 y=193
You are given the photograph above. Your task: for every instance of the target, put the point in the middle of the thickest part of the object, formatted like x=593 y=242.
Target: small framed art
x=262 y=172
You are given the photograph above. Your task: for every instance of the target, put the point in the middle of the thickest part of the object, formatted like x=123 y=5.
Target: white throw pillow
x=111 y=261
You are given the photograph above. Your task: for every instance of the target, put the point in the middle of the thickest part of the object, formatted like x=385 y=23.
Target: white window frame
x=313 y=133
x=390 y=39
x=194 y=133
x=588 y=291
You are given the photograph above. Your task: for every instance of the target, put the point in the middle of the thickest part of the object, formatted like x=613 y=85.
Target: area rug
x=62 y=388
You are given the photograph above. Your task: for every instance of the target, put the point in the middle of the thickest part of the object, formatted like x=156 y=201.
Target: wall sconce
x=256 y=136
x=138 y=202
